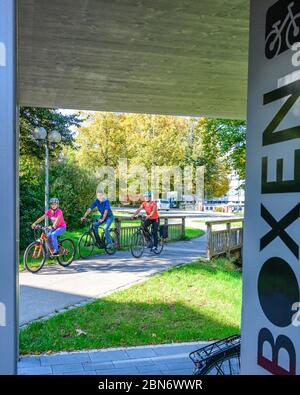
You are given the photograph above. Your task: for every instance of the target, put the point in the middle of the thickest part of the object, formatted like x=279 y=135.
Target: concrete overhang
x=184 y=57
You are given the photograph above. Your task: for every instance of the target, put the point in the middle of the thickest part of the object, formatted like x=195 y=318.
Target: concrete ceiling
x=184 y=57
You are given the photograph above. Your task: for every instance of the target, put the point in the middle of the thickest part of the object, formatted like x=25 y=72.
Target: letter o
x=278 y=290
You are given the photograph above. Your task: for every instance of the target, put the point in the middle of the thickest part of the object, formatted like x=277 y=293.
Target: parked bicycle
x=90 y=239
x=40 y=249
x=219 y=358
x=142 y=239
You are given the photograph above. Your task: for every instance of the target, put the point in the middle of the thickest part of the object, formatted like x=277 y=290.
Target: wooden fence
x=225 y=241
x=176 y=231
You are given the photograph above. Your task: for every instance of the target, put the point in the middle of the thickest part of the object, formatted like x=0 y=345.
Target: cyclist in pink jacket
x=59 y=225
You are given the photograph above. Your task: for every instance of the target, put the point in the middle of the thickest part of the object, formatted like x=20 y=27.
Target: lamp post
x=47 y=138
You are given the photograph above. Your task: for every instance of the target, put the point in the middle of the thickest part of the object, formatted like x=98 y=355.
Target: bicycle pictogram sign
x=282 y=28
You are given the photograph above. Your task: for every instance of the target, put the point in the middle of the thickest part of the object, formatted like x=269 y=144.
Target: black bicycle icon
x=275 y=38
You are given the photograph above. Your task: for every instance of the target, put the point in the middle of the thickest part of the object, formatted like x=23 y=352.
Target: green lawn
x=191 y=233
x=199 y=301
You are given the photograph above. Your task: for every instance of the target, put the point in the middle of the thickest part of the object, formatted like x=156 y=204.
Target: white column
x=271 y=272
x=8 y=190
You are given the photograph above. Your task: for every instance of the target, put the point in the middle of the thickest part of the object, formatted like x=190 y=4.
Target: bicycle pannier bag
x=163 y=231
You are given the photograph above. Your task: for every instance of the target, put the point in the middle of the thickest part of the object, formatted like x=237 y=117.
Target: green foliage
x=101 y=141
x=150 y=140
x=142 y=139
x=204 y=150
x=75 y=188
x=31 y=198
x=231 y=136
x=50 y=119
x=157 y=139
x=31 y=166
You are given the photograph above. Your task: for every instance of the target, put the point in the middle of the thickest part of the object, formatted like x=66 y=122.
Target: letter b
x=282 y=342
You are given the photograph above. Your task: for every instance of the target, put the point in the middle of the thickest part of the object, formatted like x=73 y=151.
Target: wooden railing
x=225 y=241
x=176 y=231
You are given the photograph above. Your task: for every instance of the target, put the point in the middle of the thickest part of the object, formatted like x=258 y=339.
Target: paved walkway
x=149 y=360
x=55 y=288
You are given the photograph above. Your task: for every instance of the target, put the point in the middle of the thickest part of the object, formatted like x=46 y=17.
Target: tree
x=145 y=140
x=204 y=150
x=101 y=141
x=31 y=164
x=31 y=198
x=75 y=187
x=50 y=119
x=231 y=136
x=158 y=139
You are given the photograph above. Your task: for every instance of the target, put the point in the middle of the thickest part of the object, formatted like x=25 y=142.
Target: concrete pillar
x=8 y=190
x=271 y=267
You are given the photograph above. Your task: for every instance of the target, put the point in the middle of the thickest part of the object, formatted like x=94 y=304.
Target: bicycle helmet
x=54 y=200
x=147 y=194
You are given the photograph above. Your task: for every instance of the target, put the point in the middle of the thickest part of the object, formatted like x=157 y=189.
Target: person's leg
x=146 y=225
x=54 y=235
x=96 y=225
x=106 y=227
x=49 y=234
x=155 y=225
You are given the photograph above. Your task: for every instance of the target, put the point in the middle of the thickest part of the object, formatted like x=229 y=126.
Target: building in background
x=233 y=201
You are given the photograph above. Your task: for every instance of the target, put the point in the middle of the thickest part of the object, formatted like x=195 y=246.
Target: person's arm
x=152 y=212
x=56 y=221
x=138 y=211
x=103 y=218
x=38 y=221
x=106 y=209
x=88 y=211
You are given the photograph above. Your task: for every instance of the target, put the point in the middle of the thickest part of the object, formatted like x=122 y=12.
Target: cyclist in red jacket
x=152 y=217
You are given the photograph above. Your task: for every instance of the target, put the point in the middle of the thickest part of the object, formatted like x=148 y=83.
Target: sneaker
x=55 y=253
x=155 y=250
x=110 y=245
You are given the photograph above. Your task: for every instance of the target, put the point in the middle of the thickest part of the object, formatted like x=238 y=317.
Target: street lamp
x=53 y=137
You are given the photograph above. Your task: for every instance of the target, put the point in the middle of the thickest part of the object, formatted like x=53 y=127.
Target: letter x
x=278 y=229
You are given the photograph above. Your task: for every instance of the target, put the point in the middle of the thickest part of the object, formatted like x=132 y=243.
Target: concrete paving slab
x=121 y=361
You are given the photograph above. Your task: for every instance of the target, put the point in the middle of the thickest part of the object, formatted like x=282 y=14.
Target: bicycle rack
x=206 y=354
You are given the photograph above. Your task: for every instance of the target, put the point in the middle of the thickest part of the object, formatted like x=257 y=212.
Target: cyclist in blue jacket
x=106 y=216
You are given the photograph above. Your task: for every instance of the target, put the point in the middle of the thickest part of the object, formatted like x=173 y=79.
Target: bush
x=31 y=182
x=74 y=187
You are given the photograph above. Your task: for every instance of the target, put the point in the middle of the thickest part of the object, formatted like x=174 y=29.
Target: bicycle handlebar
x=40 y=227
x=142 y=217
x=88 y=220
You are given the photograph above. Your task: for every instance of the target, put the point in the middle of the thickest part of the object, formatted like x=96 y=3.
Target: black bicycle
x=142 y=239
x=90 y=239
x=219 y=358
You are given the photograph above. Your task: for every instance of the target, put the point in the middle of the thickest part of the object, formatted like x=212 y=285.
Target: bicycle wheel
x=137 y=245
x=112 y=249
x=86 y=245
x=292 y=32
x=224 y=364
x=35 y=256
x=160 y=247
x=66 y=249
x=273 y=44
